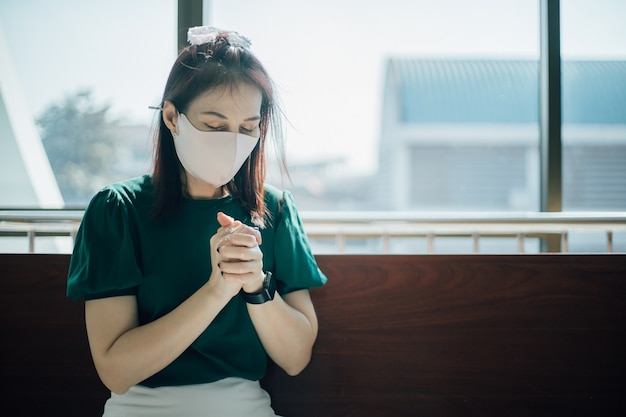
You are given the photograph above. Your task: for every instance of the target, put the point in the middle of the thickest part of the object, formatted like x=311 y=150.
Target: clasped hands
x=236 y=257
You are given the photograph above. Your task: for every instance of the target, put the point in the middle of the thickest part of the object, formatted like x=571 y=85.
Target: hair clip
x=199 y=35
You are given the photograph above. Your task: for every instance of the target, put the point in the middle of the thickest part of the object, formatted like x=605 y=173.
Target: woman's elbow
x=119 y=391
x=115 y=385
x=297 y=366
x=113 y=380
x=294 y=371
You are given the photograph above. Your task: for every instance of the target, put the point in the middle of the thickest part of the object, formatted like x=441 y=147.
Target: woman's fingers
x=231 y=226
x=239 y=258
x=240 y=235
x=246 y=274
x=241 y=268
x=237 y=262
x=233 y=253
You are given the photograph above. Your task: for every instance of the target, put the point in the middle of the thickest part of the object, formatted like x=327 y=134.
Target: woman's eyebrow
x=221 y=116
x=214 y=113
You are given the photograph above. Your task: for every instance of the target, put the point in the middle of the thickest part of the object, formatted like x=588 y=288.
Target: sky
x=327 y=57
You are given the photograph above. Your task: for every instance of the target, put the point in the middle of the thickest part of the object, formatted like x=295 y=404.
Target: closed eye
x=249 y=131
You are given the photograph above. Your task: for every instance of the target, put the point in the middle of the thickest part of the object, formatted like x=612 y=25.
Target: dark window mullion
x=189 y=15
x=550 y=151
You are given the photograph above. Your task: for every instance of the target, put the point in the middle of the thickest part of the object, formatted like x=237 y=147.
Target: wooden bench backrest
x=423 y=335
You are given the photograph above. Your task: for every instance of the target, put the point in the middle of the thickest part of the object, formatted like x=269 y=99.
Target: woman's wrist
x=257 y=286
x=218 y=291
x=265 y=294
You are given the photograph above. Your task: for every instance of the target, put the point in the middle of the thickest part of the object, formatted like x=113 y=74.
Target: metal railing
x=476 y=226
x=341 y=227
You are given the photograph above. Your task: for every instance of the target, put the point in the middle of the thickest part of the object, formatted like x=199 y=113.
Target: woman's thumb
x=224 y=219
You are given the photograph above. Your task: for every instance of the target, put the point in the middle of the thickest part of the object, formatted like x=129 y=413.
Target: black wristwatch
x=266 y=294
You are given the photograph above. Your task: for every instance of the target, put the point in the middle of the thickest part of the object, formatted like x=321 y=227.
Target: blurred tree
x=81 y=143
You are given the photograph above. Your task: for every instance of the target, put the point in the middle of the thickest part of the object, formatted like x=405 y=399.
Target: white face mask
x=213 y=157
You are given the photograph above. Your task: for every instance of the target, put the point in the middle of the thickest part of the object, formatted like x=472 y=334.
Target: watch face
x=269 y=283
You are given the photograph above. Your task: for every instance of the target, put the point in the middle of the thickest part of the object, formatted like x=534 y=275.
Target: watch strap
x=265 y=294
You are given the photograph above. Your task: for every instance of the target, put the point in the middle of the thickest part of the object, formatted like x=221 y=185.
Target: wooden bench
x=400 y=335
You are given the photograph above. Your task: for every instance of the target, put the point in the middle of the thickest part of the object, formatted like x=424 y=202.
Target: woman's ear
x=170 y=116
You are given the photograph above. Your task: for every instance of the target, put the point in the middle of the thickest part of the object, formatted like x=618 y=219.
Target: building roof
x=504 y=91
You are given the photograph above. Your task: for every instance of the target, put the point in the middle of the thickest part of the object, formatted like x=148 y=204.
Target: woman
x=193 y=275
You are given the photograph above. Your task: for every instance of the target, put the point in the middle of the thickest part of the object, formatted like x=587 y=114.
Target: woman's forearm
x=126 y=354
x=287 y=327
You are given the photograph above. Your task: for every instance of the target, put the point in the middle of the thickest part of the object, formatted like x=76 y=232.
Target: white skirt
x=230 y=397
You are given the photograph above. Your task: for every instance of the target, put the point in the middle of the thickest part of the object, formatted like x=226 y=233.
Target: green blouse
x=121 y=249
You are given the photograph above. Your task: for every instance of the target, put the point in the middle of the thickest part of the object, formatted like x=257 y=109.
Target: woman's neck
x=199 y=189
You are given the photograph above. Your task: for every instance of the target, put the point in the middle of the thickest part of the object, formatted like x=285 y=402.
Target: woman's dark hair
x=198 y=69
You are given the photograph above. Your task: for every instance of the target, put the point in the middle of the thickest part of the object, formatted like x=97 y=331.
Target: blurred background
x=395 y=106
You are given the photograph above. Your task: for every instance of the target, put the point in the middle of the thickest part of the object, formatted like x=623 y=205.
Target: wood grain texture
x=44 y=355
x=465 y=335
x=401 y=335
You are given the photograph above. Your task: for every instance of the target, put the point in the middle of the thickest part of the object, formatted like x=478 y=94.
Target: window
x=594 y=112
x=594 y=105
x=79 y=76
x=404 y=106
x=424 y=106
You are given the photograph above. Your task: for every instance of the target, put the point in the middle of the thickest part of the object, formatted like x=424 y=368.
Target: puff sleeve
x=104 y=261
x=295 y=266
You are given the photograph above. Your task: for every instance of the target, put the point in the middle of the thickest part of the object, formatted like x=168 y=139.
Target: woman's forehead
x=233 y=100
